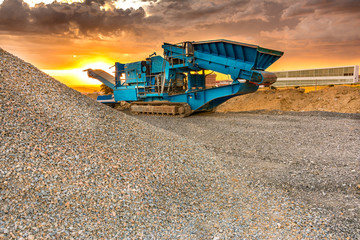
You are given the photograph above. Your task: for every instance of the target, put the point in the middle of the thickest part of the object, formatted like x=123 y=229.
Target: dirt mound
x=333 y=99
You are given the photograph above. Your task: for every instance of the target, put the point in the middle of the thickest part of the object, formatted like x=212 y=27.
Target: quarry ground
x=313 y=156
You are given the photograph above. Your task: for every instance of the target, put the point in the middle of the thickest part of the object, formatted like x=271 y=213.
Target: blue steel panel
x=213 y=48
x=250 y=54
x=173 y=49
x=242 y=53
x=214 y=103
x=125 y=94
x=221 y=64
x=157 y=64
x=230 y=50
x=207 y=48
x=134 y=73
x=261 y=59
x=237 y=51
x=222 y=49
x=198 y=99
x=105 y=98
x=265 y=60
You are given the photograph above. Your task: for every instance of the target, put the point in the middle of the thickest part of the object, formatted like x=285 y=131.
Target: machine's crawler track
x=161 y=108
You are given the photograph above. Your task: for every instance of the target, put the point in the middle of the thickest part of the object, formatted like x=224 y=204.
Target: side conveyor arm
x=102 y=76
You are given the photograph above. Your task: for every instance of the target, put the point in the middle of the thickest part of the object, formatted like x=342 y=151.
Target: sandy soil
x=333 y=99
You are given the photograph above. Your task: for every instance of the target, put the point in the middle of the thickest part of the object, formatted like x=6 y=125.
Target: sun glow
x=72 y=77
x=77 y=76
x=130 y=4
x=96 y=64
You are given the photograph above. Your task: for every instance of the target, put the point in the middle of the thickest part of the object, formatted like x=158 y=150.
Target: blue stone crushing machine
x=175 y=84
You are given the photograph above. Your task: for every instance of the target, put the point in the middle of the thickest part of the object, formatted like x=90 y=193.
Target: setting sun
x=77 y=76
x=95 y=63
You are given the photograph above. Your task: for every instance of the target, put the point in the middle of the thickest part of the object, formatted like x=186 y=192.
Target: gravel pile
x=72 y=168
x=313 y=156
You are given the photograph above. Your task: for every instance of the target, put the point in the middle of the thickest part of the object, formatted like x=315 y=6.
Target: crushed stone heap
x=73 y=168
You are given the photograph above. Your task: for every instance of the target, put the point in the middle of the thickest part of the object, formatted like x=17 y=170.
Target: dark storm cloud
x=234 y=19
x=253 y=19
x=321 y=22
x=322 y=7
x=89 y=18
x=337 y=7
x=334 y=5
x=297 y=10
x=14 y=14
x=63 y=18
x=189 y=10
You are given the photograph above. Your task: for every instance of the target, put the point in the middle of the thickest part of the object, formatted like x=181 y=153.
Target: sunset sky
x=64 y=37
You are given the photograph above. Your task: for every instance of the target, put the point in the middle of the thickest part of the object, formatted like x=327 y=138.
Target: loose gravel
x=71 y=168
x=313 y=156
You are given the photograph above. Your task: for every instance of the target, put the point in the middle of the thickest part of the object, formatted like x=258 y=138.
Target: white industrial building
x=318 y=76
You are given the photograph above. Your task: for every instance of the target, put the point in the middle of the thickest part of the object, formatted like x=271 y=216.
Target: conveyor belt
x=102 y=76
